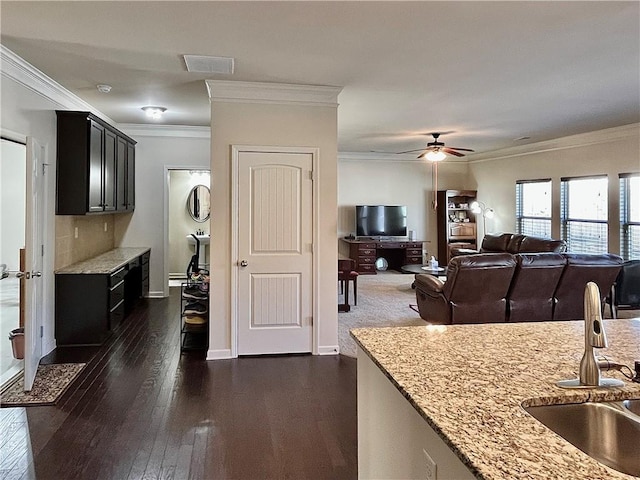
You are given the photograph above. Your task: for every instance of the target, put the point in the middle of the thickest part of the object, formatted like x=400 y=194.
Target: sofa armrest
x=429 y=284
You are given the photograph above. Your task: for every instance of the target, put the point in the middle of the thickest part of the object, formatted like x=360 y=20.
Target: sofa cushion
x=580 y=269
x=538 y=244
x=533 y=285
x=495 y=243
x=513 y=246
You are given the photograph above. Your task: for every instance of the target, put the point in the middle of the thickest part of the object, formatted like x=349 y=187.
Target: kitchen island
x=453 y=396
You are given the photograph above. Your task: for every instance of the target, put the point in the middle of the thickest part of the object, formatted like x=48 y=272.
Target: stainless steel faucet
x=594 y=337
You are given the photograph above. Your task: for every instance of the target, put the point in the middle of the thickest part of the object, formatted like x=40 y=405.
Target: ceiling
x=488 y=72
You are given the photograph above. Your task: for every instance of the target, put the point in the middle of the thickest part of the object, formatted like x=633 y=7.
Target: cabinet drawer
x=414 y=245
x=116 y=315
x=366 y=245
x=367 y=268
x=462 y=230
x=116 y=295
x=414 y=252
x=117 y=277
x=367 y=252
x=366 y=260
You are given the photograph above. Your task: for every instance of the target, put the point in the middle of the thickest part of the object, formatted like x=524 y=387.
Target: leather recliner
x=534 y=282
x=475 y=290
x=581 y=269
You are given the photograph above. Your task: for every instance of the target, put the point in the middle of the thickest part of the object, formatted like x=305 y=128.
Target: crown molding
x=28 y=76
x=608 y=135
x=272 y=93
x=184 y=131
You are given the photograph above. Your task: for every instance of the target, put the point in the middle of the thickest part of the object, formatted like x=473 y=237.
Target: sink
x=633 y=406
x=607 y=431
x=204 y=239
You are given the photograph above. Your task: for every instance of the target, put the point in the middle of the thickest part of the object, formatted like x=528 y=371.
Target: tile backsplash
x=90 y=240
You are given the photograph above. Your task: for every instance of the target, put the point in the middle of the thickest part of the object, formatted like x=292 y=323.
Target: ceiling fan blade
x=410 y=151
x=452 y=152
x=462 y=149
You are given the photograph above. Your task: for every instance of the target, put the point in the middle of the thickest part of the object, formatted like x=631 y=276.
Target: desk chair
x=625 y=292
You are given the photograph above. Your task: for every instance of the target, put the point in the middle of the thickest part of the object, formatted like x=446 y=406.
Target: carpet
x=383 y=301
x=50 y=383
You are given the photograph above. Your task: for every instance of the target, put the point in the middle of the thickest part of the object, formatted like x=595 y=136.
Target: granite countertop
x=469 y=383
x=107 y=262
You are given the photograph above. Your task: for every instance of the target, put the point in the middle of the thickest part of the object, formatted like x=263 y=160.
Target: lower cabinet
x=90 y=305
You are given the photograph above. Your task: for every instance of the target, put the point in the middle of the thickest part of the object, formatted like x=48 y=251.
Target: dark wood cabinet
x=95 y=166
x=456 y=222
x=397 y=253
x=90 y=305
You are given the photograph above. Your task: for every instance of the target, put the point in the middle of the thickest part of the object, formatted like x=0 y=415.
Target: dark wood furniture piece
x=90 y=303
x=347 y=273
x=397 y=253
x=454 y=207
x=95 y=166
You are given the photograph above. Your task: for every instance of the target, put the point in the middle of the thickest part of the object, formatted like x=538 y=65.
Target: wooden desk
x=397 y=253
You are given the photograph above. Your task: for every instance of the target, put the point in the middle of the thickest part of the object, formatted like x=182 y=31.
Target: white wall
x=609 y=152
x=181 y=223
x=281 y=125
x=368 y=180
x=27 y=113
x=159 y=149
x=13 y=185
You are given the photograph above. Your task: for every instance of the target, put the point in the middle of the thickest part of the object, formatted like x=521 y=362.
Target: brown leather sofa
x=514 y=243
x=501 y=287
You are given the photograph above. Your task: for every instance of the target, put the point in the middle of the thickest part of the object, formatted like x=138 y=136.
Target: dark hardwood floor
x=141 y=410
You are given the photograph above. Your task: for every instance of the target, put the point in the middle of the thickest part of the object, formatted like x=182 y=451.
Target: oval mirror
x=198 y=203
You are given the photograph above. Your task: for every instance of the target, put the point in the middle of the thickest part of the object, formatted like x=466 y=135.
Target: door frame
x=236 y=150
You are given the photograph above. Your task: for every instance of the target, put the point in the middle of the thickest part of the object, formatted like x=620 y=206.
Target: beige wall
x=609 y=152
x=369 y=181
x=277 y=125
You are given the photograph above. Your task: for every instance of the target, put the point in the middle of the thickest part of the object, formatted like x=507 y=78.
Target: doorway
x=12 y=240
x=187 y=213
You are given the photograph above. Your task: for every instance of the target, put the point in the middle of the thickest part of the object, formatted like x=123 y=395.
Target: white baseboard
x=329 y=350
x=158 y=294
x=222 y=354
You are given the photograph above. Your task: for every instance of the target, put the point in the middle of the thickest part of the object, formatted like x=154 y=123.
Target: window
x=630 y=216
x=583 y=219
x=533 y=207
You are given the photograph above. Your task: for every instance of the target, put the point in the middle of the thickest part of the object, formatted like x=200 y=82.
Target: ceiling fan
x=436 y=151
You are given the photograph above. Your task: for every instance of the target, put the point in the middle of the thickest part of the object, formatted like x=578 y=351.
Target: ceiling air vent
x=207 y=64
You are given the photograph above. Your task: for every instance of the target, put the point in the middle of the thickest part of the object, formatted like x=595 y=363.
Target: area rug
x=383 y=301
x=50 y=383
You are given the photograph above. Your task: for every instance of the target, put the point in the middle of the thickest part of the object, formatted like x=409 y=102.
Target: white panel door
x=275 y=218
x=33 y=260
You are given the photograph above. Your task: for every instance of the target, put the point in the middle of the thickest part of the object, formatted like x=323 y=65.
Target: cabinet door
x=131 y=177
x=121 y=182
x=109 y=171
x=96 y=150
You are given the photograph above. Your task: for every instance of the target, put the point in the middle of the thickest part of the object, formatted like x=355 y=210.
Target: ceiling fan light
x=435 y=155
x=154 y=112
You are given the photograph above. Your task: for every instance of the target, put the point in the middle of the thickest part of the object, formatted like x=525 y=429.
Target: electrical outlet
x=105 y=226
x=430 y=467
x=75 y=232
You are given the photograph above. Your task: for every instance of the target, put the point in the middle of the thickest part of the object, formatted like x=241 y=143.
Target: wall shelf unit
x=456 y=222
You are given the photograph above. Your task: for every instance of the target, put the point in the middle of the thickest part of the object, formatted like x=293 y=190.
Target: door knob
x=36 y=274
x=244 y=263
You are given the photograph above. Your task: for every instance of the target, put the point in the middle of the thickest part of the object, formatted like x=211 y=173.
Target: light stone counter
x=107 y=262
x=468 y=383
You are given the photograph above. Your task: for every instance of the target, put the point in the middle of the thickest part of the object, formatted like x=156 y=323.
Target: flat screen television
x=381 y=220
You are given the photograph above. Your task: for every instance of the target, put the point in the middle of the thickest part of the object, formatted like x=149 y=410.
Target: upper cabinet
x=95 y=166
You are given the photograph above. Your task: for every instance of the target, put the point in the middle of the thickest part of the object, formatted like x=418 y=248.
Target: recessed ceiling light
x=154 y=112
x=104 y=88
